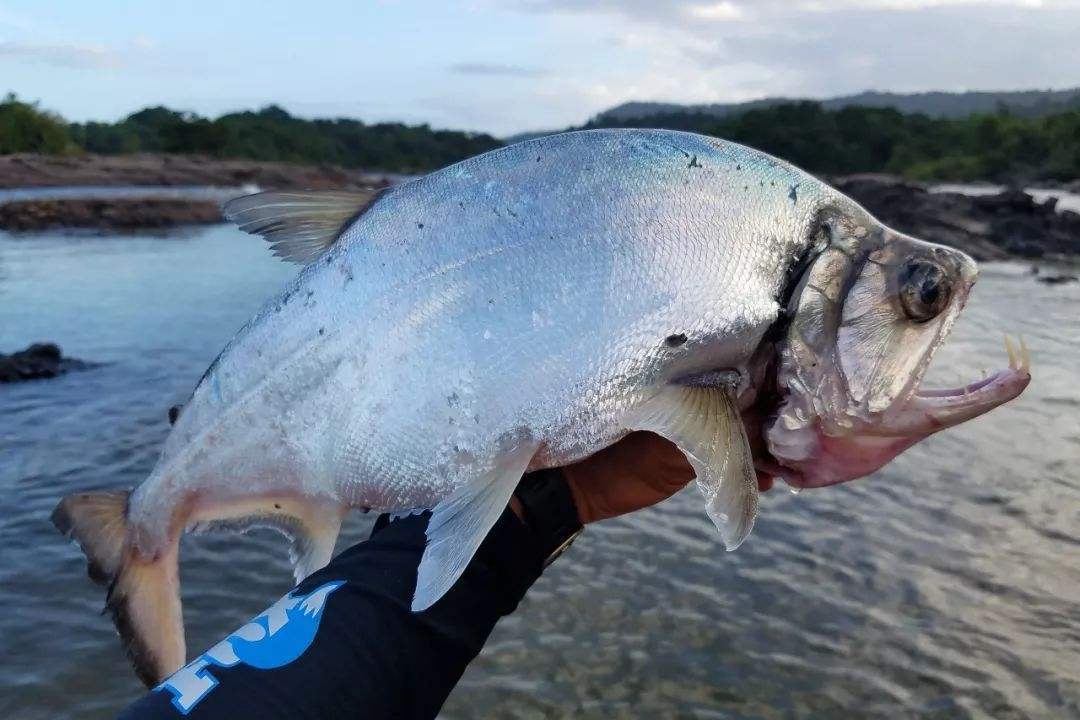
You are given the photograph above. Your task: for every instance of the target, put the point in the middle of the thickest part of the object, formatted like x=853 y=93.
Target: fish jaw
x=840 y=458
x=928 y=411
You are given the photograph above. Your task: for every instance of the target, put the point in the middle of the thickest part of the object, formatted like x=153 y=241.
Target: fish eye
x=924 y=290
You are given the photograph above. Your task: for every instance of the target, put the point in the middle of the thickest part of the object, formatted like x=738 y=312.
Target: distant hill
x=1025 y=103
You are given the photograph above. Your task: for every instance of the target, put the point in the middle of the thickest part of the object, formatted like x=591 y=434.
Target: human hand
x=638 y=471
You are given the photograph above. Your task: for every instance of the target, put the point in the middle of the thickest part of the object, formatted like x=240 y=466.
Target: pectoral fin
x=704 y=423
x=461 y=522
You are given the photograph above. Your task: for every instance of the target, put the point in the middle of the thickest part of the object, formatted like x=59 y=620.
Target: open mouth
x=840 y=458
x=930 y=410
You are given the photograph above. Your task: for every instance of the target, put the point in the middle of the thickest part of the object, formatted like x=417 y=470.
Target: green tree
x=25 y=128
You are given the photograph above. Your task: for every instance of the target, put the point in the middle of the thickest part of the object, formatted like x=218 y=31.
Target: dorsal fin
x=299 y=225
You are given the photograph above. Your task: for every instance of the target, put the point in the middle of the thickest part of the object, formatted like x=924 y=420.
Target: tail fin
x=144 y=592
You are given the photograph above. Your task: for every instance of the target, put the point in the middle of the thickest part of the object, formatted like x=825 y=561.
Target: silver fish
x=524 y=309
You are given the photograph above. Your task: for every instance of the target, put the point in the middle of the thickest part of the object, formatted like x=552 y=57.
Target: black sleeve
x=345 y=643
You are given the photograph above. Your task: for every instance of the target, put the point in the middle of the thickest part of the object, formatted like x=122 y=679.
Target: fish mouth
x=929 y=410
x=834 y=459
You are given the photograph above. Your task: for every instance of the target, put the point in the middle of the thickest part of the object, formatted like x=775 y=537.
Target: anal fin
x=312 y=545
x=704 y=422
x=311 y=526
x=461 y=522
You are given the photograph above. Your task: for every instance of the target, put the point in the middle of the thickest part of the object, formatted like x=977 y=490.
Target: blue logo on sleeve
x=272 y=639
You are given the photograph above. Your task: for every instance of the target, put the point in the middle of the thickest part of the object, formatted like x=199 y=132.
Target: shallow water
x=946 y=586
x=125 y=192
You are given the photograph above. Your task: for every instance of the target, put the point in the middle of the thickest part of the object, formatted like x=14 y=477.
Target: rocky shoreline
x=23 y=170
x=1010 y=224
x=117 y=214
x=152 y=171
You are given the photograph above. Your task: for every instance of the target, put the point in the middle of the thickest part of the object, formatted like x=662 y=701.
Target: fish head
x=864 y=321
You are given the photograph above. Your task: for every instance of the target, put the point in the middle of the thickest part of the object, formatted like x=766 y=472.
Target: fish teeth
x=1019 y=360
x=1014 y=362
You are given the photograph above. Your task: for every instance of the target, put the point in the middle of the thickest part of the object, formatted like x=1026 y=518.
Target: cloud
x=716 y=11
x=701 y=51
x=143 y=42
x=497 y=69
x=723 y=51
x=835 y=5
x=61 y=55
x=731 y=9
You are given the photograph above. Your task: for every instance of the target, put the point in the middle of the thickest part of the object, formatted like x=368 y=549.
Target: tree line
x=267 y=134
x=997 y=146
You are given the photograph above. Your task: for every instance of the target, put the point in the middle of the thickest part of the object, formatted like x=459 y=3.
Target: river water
x=945 y=586
x=126 y=192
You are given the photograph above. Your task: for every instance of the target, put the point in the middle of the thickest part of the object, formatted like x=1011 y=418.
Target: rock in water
x=1057 y=279
x=40 y=360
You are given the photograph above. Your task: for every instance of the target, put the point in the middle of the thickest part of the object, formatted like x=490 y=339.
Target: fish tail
x=143 y=591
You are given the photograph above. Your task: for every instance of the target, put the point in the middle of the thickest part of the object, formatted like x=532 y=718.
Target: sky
x=506 y=66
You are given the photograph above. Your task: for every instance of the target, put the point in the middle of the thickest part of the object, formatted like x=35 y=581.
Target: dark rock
x=107 y=214
x=40 y=360
x=1008 y=224
x=1057 y=279
x=1008 y=201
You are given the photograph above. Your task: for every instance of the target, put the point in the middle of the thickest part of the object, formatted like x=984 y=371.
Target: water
x=946 y=586
x=126 y=192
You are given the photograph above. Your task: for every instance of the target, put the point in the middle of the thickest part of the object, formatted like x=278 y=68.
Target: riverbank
x=987 y=223
x=996 y=226
x=177 y=176
x=24 y=170
x=112 y=214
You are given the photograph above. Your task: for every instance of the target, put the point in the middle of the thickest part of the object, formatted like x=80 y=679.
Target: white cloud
x=496 y=69
x=716 y=11
x=61 y=55
x=900 y=5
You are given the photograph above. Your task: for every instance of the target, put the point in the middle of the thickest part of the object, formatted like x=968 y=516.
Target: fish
x=524 y=309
